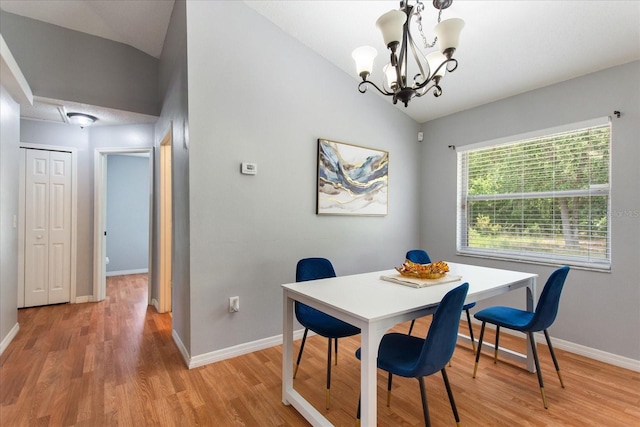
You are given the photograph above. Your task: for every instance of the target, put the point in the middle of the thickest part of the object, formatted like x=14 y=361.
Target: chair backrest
x=443 y=333
x=547 y=307
x=418 y=256
x=311 y=269
x=314 y=268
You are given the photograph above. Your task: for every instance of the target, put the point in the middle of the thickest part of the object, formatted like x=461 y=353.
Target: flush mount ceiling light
x=81 y=119
x=427 y=70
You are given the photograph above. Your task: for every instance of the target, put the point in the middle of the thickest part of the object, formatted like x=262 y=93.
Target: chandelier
x=429 y=70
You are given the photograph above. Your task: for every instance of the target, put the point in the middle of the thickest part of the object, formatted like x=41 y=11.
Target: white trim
x=84 y=299
x=581 y=350
x=154 y=302
x=250 y=347
x=99 y=213
x=74 y=217
x=238 y=350
x=10 y=336
x=125 y=272
x=592 y=353
x=181 y=347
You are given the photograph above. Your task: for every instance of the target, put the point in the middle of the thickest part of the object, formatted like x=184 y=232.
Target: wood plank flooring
x=115 y=363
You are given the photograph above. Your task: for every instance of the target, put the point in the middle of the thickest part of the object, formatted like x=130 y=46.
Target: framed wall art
x=352 y=180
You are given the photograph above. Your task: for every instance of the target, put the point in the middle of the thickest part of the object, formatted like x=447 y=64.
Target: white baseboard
x=156 y=304
x=592 y=353
x=181 y=347
x=10 y=336
x=125 y=272
x=581 y=350
x=238 y=350
x=84 y=298
x=227 y=353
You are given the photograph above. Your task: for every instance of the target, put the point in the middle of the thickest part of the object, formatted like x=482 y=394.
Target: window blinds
x=541 y=199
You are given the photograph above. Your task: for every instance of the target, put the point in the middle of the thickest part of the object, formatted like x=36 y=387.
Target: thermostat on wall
x=249 y=168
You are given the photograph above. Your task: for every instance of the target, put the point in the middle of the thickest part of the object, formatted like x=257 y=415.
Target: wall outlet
x=234 y=304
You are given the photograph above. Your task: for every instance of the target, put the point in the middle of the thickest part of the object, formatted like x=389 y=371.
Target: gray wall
x=598 y=310
x=9 y=170
x=64 y=64
x=266 y=98
x=173 y=84
x=85 y=141
x=127 y=214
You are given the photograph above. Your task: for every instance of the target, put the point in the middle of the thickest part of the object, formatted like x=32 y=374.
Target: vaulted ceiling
x=507 y=47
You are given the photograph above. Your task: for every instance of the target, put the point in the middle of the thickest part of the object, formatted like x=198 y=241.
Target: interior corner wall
x=597 y=310
x=85 y=141
x=9 y=173
x=64 y=64
x=267 y=98
x=174 y=119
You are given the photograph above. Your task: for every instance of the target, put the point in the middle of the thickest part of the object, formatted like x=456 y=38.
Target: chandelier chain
x=419 y=8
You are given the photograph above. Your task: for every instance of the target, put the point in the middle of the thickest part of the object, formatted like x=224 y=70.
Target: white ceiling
x=507 y=47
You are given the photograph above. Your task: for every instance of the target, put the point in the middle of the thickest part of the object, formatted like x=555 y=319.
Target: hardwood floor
x=114 y=363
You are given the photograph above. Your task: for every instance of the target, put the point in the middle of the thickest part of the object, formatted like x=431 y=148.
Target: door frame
x=22 y=215
x=100 y=216
x=165 y=256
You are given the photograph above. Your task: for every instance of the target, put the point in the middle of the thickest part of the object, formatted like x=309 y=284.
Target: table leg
x=370 y=341
x=287 y=348
x=531 y=305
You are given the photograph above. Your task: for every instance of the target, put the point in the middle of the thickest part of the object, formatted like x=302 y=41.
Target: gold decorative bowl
x=418 y=275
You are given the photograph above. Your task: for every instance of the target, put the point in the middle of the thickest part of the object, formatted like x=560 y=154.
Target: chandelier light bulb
x=364 y=57
x=391 y=24
x=448 y=33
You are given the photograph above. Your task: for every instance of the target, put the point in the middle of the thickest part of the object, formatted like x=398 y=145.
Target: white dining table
x=375 y=305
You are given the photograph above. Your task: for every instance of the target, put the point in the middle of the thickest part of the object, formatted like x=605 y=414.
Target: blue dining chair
x=528 y=322
x=421 y=256
x=413 y=357
x=317 y=321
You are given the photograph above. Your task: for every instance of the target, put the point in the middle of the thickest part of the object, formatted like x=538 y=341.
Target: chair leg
x=473 y=342
x=413 y=322
x=495 y=350
x=304 y=339
x=328 y=396
x=336 y=351
x=358 y=413
x=425 y=408
x=450 y=393
x=475 y=368
x=553 y=356
x=389 y=389
x=537 y=362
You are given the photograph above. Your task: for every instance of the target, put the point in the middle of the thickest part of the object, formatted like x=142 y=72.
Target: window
x=541 y=198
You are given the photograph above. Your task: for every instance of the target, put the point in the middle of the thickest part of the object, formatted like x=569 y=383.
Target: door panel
x=36 y=286
x=60 y=228
x=47 y=227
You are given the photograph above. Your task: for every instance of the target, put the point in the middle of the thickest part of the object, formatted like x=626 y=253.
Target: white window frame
x=528 y=256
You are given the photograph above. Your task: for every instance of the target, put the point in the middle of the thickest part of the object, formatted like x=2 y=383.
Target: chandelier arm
x=433 y=75
x=362 y=87
x=450 y=61
x=415 y=51
x=403 y=59
x=437 y=90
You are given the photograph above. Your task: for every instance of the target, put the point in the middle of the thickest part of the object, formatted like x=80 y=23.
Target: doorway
x=100 y=215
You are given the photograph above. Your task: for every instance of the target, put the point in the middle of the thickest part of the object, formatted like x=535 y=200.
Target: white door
x=47 y=227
